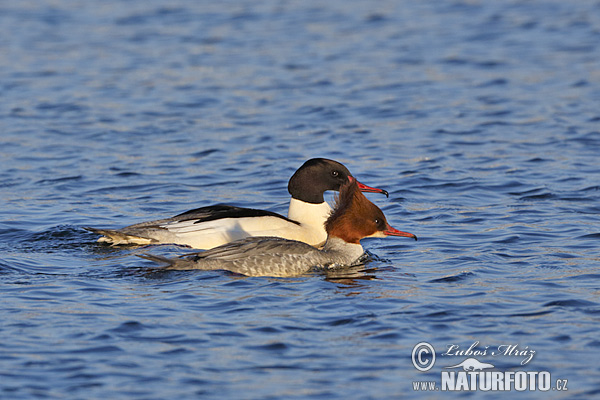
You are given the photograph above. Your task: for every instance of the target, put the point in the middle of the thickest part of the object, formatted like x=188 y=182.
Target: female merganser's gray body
x=208 y=227
x=353 y=219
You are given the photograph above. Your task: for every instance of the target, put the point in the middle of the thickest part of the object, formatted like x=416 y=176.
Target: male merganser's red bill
x=208 y=227
x=365 y=188
x=353 y=219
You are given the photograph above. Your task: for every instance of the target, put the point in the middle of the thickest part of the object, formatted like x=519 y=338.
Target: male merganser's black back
x=219 y=211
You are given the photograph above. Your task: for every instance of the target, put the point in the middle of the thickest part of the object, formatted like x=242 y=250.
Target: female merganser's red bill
x=208 y=227
x=353 y=219
x=389 y=231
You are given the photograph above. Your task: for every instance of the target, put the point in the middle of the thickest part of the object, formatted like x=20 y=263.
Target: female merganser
x=353 y=218
x=208 y=227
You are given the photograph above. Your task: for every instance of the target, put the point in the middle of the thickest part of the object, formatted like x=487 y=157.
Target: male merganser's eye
x=335 y=173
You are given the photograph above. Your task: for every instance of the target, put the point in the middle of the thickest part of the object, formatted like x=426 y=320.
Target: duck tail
x=116 y=237
x=158 y=259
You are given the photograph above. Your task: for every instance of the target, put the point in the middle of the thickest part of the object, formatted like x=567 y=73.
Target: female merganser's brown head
x=354 y=217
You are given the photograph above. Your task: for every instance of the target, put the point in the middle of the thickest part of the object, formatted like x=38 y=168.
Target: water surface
x=480 y=118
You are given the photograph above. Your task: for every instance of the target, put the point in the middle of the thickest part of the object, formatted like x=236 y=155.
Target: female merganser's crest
x=354 y=218
x=208 y=227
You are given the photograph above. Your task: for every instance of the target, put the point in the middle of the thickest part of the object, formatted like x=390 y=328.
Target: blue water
x=480 y=118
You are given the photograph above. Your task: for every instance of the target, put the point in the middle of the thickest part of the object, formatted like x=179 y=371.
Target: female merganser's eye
x=376 y=221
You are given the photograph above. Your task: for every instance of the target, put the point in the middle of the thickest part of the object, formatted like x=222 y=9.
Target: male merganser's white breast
x=312 y=218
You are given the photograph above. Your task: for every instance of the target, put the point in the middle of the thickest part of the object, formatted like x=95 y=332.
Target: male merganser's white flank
x=354 y=218
x=208 y=227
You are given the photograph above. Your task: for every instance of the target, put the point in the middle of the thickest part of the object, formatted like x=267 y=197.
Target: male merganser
x=353 y=219
x=208 y=227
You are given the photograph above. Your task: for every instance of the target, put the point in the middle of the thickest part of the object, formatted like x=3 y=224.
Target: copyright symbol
x=423 y=356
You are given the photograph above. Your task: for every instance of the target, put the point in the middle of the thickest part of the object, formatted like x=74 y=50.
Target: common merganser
x=208 y=227
x=353 y=219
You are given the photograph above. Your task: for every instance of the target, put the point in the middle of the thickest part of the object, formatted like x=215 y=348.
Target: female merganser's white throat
x=353 y=219
x=208 y=227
